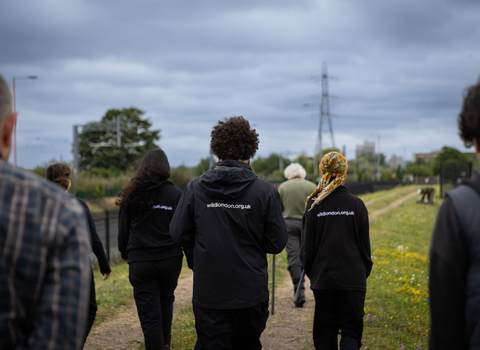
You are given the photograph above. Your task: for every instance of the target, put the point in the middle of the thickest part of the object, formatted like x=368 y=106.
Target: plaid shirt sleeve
x=44 y=252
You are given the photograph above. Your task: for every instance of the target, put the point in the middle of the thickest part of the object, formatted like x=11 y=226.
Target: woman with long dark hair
x=60 y=174
x=147 y=205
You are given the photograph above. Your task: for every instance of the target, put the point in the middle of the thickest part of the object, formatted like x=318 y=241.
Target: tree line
x=98 y=142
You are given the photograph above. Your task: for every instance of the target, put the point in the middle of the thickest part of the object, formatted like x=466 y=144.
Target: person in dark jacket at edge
x=147 y=205
x=454 y=275
x=60 y=174
x=232 y=219
x=336 y=256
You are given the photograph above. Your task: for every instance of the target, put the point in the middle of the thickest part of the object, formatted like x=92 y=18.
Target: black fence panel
x=107 y=229
x=452 y=174
x=358 y=188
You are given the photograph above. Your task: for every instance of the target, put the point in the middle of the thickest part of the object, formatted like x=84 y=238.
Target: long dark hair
x=151 y=172
x=59 y=173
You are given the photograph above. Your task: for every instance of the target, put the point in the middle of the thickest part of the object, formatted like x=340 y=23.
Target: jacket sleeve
x=365 y=249
x=123 y=232
x=189 y=255
x=61 y=313
x=447 y=278
x=182 y=226
x=275 y=233
x=97 y=245
x=188 y=251
x=308 y=249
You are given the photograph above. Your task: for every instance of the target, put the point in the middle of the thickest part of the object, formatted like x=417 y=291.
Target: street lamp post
x=378 y=174
x=14 y=111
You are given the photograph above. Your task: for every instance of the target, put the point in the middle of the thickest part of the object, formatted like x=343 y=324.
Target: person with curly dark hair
x=147 y=205
x=455 y=250
x=232 y=219
x=60 y=174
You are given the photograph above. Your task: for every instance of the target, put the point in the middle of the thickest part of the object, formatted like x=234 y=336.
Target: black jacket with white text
x=144 y=236
x=336 y=246
x=232 y=219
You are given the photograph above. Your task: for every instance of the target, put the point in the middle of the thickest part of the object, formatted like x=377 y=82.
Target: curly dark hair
x=233 y=139
x=60 y=174
x=152 y=170
x=469 y=117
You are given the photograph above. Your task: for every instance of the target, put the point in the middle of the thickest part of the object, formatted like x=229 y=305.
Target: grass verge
x=396 y=305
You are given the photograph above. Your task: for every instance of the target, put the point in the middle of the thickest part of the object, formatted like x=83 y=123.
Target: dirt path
x=289 y=328
x=124 y=331
x=392 y=205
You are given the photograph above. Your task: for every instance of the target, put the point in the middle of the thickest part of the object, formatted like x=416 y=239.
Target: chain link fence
x=452 y=174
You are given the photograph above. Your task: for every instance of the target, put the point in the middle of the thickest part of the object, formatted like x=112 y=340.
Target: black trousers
x=336 y=309
x=154 y=283
x=92 y=308
x=235 y=329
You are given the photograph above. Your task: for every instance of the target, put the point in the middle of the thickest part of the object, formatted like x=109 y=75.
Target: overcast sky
x=397 y=71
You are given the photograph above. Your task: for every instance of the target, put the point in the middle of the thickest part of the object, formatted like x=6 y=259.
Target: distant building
x=395 y=162
x=426 y=156
x=367 y=147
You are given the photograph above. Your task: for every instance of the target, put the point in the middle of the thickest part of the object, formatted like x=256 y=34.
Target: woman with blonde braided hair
x=336 y=256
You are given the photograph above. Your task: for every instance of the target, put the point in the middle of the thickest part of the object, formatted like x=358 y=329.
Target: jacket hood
x=227 y=179
x=474 y=182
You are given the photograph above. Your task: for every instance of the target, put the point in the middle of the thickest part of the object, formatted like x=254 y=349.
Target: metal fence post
x=107 y=234
x=273 y=285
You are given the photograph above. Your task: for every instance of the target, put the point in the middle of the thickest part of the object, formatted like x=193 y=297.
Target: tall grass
x=396 y=306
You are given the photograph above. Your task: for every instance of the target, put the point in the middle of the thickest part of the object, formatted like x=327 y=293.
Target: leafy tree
x=100 y=190
x=418 y=170
x=137 y=139
x=40 y=170
x=447 y=155
x=399 y=172
x=307 y=163
x=181 y=175
x=267 y=166
x=386 y=175
x=328 y=150
x=372 y=158
x=202 y=167
x=362 y=167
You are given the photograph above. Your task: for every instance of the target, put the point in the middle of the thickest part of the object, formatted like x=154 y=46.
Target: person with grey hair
x=44 y=250
x=293 y=194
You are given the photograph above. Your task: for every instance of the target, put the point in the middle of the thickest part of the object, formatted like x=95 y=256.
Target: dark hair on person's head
x=151 y=171
x=233 y=139
x=59 y=173
x=469 y=117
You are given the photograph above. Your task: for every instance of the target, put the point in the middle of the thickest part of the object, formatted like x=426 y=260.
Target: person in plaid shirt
x=44 y=256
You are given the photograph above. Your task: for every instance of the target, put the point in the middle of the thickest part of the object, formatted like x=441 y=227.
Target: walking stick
x=273 y=285
x=295 y=299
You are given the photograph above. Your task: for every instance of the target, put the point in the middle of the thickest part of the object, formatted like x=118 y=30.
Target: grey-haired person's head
x=294 y=170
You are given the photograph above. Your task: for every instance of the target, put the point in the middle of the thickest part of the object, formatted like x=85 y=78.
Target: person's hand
x=106 y=275
x=126 y=260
